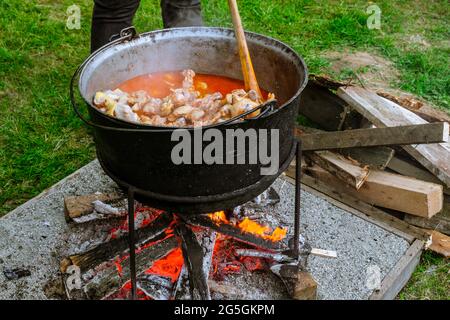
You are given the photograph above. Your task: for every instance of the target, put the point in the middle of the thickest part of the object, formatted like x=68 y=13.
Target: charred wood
x=155 y=286
x=234 y=232
x=107 y=281
x=108 y=250
x=194 y=261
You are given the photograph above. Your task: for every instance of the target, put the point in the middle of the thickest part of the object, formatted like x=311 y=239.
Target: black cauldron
x=139 y=156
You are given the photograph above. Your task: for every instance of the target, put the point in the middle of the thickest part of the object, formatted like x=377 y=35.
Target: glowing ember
x=224 y=259
x=143 y=216
x=169 y=266
x=218 y=217
x=250 y=226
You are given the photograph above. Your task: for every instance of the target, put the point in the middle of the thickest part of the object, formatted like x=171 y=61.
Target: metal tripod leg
x=131 y=241
x=298 y=174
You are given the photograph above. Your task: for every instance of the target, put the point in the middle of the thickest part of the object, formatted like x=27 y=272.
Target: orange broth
x=158 y=84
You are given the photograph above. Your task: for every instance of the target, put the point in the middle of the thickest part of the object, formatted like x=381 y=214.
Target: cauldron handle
x=125 y=34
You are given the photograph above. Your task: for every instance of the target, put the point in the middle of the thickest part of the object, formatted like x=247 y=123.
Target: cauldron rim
x=189 y=31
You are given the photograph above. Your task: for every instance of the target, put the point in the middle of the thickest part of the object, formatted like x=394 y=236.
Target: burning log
x=194 y=261
x=234 y=232
x=268 y=197
x=224 y=289
x=155 y=286
x=108 y=281
x=181 y=290
x=207 y=240
x=108 y=250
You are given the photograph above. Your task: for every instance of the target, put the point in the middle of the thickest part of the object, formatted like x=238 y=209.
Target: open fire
x=177 y=254
x=167 y=270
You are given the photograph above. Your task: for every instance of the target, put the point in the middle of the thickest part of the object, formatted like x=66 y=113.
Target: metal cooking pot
x=139 y=156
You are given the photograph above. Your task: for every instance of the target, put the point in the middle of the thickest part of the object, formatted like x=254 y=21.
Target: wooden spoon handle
x=247 y=67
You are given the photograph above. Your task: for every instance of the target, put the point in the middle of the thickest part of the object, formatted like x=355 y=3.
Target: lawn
x=41 y=141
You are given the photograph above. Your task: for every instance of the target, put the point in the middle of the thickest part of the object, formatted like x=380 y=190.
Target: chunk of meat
x=188 y=81
x=124 y=112
x=181 y=108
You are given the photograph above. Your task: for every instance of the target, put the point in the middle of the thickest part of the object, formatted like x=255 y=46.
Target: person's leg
x=181 y=13
x=109 y=17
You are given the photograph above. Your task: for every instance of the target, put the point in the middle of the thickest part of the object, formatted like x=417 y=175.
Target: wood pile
x=376 y=156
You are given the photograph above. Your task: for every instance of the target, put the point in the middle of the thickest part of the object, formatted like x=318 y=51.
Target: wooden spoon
x=247 y=67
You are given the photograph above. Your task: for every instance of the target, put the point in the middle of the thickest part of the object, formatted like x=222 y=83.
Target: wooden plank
x=422 y=109
x=440 y=243
x=407 y=168
x=401 y=135
x=397 y=278
x=359 y=208
x=348 y=171
x=391 y=191
x=374 y=157
x=440 y=222
x=435 y=158
x=385 y=113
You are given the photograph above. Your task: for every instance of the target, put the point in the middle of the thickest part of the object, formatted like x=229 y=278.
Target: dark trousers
x=111 y=16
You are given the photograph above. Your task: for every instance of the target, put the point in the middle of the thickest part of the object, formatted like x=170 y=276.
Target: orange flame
x=218 y=217
x=264 y=232
x=250 y=226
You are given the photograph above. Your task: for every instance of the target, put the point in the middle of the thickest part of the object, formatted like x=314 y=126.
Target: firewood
x=194 y=260
x=440 y=222
x=222 y=288
x=391 y=191
x=107 y=281
x=350 y=172
x=155 y=286
x=440 y=243
x=299 y=284
x=207 y=240
x=398 y=135
x=108 y=250
x=422 y=109
x=408 y=168
x=305 y=287
x=234 y=232
x=374 y=157
x=78 y=206
x=384 y=113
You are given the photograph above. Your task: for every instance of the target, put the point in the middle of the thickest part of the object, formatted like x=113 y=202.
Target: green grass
x=41 y=141
x=430 y=281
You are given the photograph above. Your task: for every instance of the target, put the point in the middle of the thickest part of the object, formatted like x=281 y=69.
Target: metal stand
x=295 y=252
x=298 y=176
x=131 y=241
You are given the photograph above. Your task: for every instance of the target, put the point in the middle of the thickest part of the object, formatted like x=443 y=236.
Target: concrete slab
x=36 y=236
